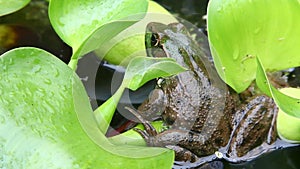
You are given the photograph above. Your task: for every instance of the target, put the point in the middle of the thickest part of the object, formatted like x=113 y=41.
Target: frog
x=204 y=117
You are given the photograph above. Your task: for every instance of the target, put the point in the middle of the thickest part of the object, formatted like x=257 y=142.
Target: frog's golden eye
x=154 y=39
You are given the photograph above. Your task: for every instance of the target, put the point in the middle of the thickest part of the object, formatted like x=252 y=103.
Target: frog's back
x=194 y=93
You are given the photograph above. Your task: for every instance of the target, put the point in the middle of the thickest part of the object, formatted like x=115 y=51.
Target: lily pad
x=46 y=120
x=10 y=6
x=240 y=31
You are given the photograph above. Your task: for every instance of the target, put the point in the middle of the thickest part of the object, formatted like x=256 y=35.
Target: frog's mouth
x=156 y=52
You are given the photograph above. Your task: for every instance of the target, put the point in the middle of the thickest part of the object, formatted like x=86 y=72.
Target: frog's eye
x=154 y=39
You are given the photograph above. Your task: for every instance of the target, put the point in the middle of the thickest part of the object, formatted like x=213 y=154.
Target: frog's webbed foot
x=149 y=133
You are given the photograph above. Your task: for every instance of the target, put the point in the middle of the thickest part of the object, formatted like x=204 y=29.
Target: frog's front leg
x=171 y=139
x=152 y=108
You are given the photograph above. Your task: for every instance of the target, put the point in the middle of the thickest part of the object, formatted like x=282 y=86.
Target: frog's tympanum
x=202 y=116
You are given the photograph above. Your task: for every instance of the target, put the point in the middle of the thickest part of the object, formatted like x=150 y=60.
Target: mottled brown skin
x=199 y=111
x=253 y=125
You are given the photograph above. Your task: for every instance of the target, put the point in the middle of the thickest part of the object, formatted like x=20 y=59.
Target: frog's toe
x=150 y=140
x=151 y=131
x=143 y=133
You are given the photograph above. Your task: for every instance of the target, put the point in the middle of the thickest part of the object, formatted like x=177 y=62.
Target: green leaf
x=10 y=6
x=86 y=25
x=142 y=69
x=105 y=112
x=241 y=30
x=288 y=119
x=288 y=126
x=36 y=105
x=132 y=137
x=46 y=120
x=131 y=42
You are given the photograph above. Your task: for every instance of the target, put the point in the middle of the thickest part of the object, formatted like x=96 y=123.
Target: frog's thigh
x=182 y=154
x=256 y=126
x=179 y=140
x=169 y=137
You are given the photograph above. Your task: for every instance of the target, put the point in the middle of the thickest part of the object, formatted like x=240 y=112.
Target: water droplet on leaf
x=47 y=81
x=236 y=53
x=36 y=69
x=257 y=30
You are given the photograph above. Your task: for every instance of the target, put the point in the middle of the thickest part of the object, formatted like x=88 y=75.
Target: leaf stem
x=73 y=64
x=105 y=112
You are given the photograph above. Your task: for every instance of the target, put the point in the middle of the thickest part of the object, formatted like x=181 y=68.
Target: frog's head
x=158 y=34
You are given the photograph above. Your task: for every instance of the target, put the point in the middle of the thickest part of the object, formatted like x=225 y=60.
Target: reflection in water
x=287 y=158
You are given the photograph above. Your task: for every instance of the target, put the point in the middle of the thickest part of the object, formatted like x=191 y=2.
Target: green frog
x=204 y=117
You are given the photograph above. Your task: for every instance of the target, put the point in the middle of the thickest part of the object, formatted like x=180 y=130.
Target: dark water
x=30 y=26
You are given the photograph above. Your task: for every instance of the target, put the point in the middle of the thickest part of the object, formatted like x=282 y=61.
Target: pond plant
x=46 y=120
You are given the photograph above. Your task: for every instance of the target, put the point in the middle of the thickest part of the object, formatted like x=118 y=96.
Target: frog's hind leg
x=185 y=157
x=182 y=154
x=255 y=132
x=167 y=139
